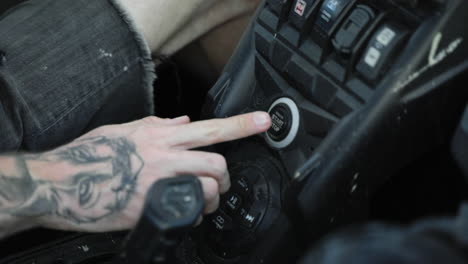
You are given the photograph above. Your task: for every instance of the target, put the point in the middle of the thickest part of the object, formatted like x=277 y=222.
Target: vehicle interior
x=370 y=124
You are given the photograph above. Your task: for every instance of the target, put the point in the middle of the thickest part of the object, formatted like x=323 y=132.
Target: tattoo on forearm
x=99 y=178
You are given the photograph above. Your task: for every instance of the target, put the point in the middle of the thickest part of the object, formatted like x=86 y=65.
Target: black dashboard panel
x=356 y=90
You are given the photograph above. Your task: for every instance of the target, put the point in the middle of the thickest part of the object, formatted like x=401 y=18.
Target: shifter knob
x=172 y=207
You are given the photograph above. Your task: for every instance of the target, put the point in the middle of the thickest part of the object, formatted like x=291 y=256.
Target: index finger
x=209 y=132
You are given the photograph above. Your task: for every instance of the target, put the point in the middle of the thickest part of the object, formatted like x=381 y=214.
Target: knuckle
x=151 y=120
x=105 y=128
x=211 y=188
x=218 y=162
x=214 y=133
x=211 y=208
x=227 y=183
x=242 y=123
x=160 y=134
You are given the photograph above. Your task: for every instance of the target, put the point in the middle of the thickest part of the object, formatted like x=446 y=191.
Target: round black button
x=281 y=118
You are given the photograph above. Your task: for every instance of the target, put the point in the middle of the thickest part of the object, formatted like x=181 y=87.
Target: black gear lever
x=172 y=207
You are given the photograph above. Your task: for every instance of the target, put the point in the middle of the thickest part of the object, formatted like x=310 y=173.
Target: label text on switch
x=300 y=7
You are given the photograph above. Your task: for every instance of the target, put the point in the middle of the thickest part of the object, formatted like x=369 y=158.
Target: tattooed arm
x=15 y=186
x=83 y=183
x=99 y=181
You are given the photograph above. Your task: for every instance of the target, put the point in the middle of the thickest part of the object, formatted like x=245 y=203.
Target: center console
x=356 y=90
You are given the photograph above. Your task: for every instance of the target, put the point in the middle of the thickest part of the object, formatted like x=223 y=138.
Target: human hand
x=99 y=181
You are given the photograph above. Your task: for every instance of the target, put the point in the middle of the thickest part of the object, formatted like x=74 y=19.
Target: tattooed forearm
x=15 y=182
x=83 y=183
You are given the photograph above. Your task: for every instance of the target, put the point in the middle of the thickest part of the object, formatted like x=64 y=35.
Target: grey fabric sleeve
x=68 y=66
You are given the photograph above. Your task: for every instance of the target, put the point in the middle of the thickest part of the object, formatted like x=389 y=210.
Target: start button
x=285 y=123
x=280 y=122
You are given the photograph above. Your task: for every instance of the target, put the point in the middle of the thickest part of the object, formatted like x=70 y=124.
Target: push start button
x=285 y=123
x=281 y=122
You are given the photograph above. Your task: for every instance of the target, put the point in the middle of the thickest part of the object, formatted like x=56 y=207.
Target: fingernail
x=261 y=118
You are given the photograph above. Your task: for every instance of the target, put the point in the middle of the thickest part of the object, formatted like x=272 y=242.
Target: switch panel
x=378 y=54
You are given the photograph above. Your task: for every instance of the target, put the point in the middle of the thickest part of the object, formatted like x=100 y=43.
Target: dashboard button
x=352 y=29
x=288 y=124
x=381 y=48
x=301 y=12
x=328 y=15
x=248 y=218
x=221 y=221
x=233 y=202
x=281 y=122
x=242 y=185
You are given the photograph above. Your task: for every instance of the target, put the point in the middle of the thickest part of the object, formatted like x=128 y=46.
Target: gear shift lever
x=172 y=208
